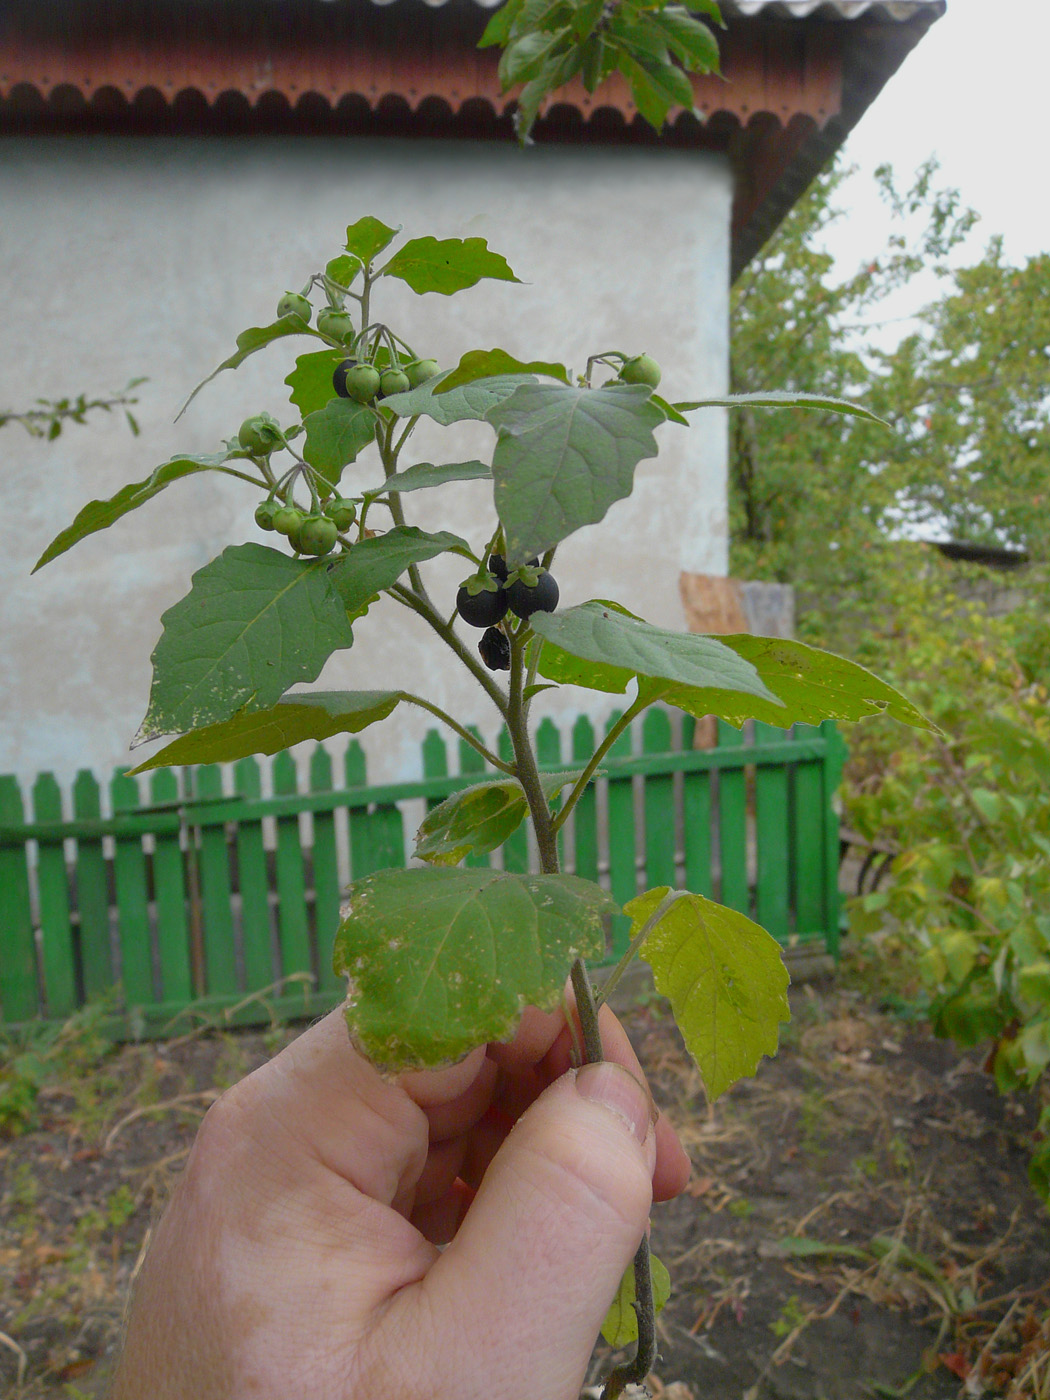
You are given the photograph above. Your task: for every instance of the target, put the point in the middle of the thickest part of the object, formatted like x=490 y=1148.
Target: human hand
x=299 y=1254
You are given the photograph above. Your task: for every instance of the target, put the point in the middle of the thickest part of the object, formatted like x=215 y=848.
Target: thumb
x=558 y=1216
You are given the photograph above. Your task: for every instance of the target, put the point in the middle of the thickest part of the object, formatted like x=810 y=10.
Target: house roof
x=796 y=77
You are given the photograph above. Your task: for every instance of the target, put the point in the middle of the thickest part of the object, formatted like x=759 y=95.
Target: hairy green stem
x=632 y=712
x=634 y=1372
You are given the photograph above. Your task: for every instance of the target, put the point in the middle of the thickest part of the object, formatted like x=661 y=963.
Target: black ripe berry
x=540 y=597
x=482 y=609
x=339 y=377
x=495 y=650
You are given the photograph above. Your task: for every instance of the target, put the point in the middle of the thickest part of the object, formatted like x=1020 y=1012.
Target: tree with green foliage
x=813 y=499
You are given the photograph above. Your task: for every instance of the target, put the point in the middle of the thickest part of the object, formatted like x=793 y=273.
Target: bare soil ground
x=859 y=1221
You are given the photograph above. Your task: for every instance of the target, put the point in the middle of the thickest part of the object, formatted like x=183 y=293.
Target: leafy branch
x=51 y=415
x=654 y=44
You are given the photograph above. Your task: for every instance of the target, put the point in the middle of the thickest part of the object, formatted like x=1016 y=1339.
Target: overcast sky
x=974 y=93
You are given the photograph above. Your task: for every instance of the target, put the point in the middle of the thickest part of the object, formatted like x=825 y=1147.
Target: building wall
x=146 y=256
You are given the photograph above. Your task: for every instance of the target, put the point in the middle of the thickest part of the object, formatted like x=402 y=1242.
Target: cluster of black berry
x=485 y=600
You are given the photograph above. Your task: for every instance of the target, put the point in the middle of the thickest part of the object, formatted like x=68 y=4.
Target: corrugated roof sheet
x=898 y=10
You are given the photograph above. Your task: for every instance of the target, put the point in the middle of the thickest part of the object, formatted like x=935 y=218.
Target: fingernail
x=618 y=1091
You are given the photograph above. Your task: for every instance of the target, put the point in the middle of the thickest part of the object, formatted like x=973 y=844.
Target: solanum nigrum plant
x=565 y=450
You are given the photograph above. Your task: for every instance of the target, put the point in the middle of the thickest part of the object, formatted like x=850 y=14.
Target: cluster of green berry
x=308 y=533
x=316 y=531
x=486 y=597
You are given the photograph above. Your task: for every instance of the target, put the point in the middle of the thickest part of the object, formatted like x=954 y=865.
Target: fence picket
x=293 y=932
x=585 y=813
x=19 y=998
x=807 y=839
x=132 y=890
x=773 y=874
x=696 y=820
x=326 y=873
x=253 y=883
x=658 y=805
x=91 y=892
x=220 y=959
x=732 y=826
x=53 y=893
x=472 y=768
x=357 y=813
x=169 y=894
x=623 y=872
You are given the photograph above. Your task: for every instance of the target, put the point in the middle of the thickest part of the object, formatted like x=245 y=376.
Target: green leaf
x=343 y=269
x=99 y=515
x=335 y=435
x=620 y=1327
x=368 y=237
x=372 y=565
x=475 y=400
x=248 y=342
x=656 y=87
x=778 y=398
x=254 y=623
x=525 y=57
x=447 y=265
x=497 y=31
x=669 y=410
x=312 y=715
x=816 y=685
x=440 y=960
x=555 y=73
x=604 y=648
x=690 y=39
x=311 y=380
x=563 y=456
x=425 y=474
x=724 y=977
x=487 y=364
x=479 y=818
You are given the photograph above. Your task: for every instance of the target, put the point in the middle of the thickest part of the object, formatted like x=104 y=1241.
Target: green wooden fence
x=204 y=898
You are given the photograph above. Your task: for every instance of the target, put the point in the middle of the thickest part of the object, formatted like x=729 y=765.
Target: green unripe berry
x=642 y=369
x=294 y=304
x=338 y=325
x=361 y=382
x=394 y=381
x=341 y=512
x=264 y=514
x=317 y=535
x=259 y=434
x=287 y=519
x=419 y=371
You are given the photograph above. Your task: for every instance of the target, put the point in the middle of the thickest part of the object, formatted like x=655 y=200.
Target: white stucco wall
x=124 y=257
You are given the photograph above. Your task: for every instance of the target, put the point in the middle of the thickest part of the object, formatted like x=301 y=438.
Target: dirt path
x=859 y=1221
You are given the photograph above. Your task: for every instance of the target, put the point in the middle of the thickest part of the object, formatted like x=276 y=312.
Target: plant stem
x=426 y=610
x=636 y=1370
x=463 y=733
x=632 y=952
x=632 y=712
